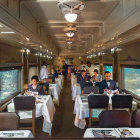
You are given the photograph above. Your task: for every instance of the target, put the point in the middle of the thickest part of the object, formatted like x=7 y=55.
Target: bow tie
x=108 y=80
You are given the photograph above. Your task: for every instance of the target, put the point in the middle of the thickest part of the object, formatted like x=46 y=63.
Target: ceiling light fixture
x=71 y=17
x=112 y=50
x=27 y=51
x=71 y=9
x=69 y=42
x=36 y=54
x=7 y=32
x=70 y=34
x=27 y=39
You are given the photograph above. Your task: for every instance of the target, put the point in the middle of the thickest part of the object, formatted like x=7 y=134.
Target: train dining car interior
x=70 y=69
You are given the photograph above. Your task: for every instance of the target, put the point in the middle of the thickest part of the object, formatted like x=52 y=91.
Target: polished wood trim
x=30 y=120
x=32 y=64
x=136 y=97
x=129 y=63
x=90 y=117
x=10 y=65
x=8 y=98
x=4 y=106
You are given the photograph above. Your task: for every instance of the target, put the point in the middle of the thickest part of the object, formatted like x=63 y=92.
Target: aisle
x=64 y=118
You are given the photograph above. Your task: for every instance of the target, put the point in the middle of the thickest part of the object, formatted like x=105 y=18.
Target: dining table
x=121 y=132
x=81 y=110
x=44 y=107
x=16 y=134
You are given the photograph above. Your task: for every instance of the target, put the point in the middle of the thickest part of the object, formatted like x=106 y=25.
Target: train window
x=132 y=80
x=9 y=83
x=32 y=71
x=110 y=69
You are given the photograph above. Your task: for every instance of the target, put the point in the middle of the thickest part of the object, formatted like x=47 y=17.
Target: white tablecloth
x=76 y=90
x=73 y=80
x=16 y=134
x=62 y=78
x=98 y=132
x=114 y=132
x=55 y=90
x=59 y=82
x=46 y=109
x=82 y=111
x=75 y=87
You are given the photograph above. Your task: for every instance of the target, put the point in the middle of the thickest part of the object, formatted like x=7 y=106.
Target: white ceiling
x=88 y=24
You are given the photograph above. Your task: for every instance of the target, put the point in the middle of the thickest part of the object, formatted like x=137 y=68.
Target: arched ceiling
x=89 y=24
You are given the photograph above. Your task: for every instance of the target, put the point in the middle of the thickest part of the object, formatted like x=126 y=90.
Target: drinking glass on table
x=105 y=91
x=109 y=91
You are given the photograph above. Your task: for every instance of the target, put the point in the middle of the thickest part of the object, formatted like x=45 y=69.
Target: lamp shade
x=70 y=34
x=70 y=17
x=69 y=42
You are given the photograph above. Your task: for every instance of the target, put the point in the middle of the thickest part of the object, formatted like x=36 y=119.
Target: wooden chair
x=114 y=118
x=97 y=102
x=26 y=103
x=90 y=89
x=135 y=120
x=9 y=121
x=122 y=102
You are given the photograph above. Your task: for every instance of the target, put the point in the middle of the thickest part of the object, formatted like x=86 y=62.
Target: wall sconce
x=112 y=50
x=40 y=46
x=22 y=50
x=102 y=53
x=99 y=53
x=27 y=51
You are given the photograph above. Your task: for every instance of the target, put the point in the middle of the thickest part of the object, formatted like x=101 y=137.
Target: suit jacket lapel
x=106 y=85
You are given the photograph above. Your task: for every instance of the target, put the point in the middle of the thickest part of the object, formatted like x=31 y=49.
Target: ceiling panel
x=89 y=23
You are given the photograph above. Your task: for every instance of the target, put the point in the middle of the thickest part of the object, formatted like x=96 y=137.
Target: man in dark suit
x=82 y=77
x=107 y=83
x=64 y=69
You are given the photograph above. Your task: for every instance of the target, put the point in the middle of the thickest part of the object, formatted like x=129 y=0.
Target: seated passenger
x=83 y=77
x=77 y=70
x=96 y=77
x=108 y=84
x=53 y=75
x=58 y=71
x=35 y=87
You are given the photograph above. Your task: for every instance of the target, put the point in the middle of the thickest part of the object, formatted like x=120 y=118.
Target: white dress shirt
x=43 y=72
